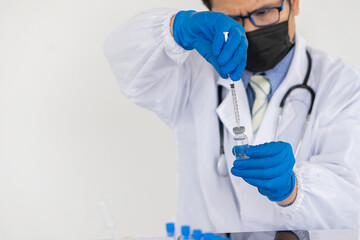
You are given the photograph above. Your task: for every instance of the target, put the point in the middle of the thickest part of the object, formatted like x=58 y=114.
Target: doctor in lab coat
x=180 y=86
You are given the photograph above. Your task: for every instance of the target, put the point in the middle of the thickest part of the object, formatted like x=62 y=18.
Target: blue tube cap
x=170 y=229
x=216 y=237
x=197 y=234
x=208 y=236
x=185 y=232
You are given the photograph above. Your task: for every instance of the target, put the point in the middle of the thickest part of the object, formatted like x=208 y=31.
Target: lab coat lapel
x=295 y=75
x=225 y=110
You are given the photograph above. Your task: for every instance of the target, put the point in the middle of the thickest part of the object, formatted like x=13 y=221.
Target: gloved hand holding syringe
x=241 y=142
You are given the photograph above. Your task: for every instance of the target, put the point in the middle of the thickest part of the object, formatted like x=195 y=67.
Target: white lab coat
x=181 y=88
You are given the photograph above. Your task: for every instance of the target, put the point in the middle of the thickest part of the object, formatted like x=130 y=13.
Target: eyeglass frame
x=279 y=8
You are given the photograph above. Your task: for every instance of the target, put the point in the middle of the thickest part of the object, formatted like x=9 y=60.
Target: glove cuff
x=179 y=21
x=282 y=198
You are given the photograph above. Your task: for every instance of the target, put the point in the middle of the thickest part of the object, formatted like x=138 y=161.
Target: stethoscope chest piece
x=222 y=168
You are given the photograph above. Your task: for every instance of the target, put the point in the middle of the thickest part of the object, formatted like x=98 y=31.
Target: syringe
x=240 y=140
x=233 y=93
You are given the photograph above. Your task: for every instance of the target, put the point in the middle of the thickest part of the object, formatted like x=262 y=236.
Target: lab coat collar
x=266 y=132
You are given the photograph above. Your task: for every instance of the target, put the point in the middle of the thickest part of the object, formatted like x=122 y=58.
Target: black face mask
x=267 y=47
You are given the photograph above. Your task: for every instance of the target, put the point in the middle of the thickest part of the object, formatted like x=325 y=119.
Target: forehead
x=241 y=6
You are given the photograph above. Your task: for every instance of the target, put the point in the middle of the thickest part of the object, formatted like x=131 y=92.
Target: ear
x=295 y=7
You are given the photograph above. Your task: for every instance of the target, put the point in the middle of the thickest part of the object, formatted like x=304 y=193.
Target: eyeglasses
x=262 y=17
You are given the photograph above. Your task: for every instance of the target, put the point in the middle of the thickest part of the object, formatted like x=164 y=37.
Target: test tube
x=170 y=230
x=197 y=234
x=108 y=219
x=185 y=232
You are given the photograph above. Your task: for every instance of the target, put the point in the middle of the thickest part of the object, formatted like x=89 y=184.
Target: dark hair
x=207 y=3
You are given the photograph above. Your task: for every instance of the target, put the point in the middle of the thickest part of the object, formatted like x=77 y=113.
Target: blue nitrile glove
x=204 y=31
x=269 y=168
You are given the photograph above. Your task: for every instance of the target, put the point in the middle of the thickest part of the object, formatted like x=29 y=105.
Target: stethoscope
x=221 y=164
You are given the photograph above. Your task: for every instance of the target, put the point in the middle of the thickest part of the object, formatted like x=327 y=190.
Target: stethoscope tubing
x=305 y=86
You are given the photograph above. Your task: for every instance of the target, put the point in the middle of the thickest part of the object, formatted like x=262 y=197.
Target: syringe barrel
x=235 y=105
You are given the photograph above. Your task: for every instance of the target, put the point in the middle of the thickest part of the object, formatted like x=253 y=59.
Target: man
x=153 y=58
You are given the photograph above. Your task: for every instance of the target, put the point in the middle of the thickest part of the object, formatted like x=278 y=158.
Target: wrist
x=171 y=25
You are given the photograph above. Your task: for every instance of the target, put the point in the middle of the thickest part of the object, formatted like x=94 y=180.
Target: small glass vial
x=241 y=143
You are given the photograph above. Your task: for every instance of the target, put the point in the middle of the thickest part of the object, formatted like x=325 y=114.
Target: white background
x=69 y=138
